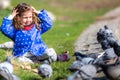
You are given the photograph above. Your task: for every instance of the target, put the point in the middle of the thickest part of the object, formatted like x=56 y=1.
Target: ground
x=87 y=42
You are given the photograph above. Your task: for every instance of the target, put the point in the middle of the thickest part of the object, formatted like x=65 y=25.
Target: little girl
x=24 y=27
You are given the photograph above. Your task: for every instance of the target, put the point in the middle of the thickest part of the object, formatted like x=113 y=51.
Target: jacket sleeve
x=7 y=29
x=46 y=22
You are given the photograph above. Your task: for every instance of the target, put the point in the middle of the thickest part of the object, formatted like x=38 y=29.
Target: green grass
x=70 y=23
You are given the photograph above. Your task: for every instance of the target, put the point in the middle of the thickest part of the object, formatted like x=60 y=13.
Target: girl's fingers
x=15 y=12
x=34 y=10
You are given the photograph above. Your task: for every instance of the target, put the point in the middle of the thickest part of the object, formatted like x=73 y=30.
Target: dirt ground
x=87 y=42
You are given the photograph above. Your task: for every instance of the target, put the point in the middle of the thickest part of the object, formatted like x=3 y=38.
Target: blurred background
x=70 y=18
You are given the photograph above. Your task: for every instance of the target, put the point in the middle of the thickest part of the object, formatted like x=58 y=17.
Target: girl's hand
x=34 y=10
x=14 y=12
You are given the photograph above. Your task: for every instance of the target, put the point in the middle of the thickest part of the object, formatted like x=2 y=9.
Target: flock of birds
x=86 y=66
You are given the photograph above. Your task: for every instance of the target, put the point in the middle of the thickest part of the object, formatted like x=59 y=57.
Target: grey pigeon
x=45 y=70
x=86 y=72
x=87 y=60
x=76 y=65
x=6 y=70
x=109 y=54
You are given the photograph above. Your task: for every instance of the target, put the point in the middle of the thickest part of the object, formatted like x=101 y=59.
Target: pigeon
x=6 y=70
x=45 y=70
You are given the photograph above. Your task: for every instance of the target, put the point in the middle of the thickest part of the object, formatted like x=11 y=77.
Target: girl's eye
x=30 y=17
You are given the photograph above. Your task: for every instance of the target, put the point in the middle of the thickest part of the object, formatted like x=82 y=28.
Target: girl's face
x=27 y=18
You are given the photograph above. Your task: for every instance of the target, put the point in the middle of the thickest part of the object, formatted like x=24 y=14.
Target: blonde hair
x=21 y=8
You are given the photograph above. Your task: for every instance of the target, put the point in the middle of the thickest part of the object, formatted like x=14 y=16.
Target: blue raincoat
x=27 y=40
